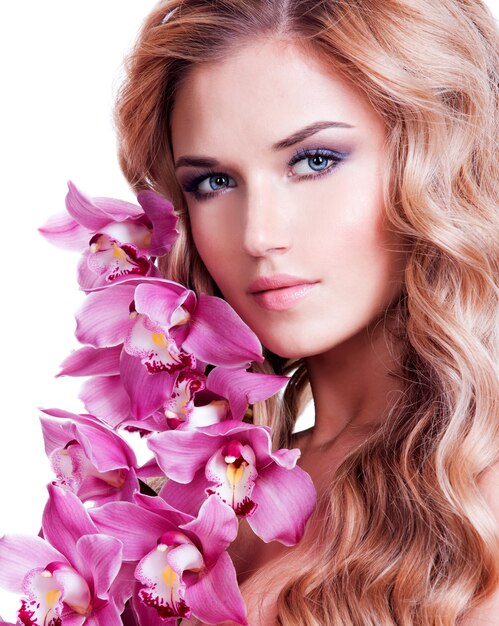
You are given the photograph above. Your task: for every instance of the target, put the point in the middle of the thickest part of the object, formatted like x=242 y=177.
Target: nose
x=266 y=219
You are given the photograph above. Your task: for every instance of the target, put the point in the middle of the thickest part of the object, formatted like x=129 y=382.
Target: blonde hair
x=407 y=539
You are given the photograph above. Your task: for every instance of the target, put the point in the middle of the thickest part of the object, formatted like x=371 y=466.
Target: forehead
x=261 y=92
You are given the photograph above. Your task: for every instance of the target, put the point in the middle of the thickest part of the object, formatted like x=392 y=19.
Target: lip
x=280 y=292
x=278 y=281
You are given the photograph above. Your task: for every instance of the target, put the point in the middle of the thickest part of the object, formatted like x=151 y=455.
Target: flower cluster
x=173 y=366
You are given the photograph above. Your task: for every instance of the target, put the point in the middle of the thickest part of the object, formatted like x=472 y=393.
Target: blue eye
x=214 y=183
x=208 y=185
x=311 y=164
x=318 y=160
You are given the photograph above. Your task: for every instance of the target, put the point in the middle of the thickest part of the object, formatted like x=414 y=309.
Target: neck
x=353 y=385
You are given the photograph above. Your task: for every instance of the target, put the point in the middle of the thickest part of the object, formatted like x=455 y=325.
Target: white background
x=60 y=65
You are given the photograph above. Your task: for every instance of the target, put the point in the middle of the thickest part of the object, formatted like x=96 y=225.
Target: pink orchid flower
x=196 y=400
x=90 y=459
x=72 y=576
x=183 y=568
x=234 y=461
x=163 y=328
x=118 y=239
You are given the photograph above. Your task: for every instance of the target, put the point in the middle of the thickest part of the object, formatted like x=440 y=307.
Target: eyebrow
x=293 y=139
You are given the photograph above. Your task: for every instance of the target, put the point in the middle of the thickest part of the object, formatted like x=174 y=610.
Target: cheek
x=215 y=242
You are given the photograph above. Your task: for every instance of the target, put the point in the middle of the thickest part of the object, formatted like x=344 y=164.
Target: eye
x=208 y=185
x=318 y=160
x=214 y=183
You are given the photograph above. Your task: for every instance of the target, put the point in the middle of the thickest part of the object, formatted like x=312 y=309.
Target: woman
x=333 y=167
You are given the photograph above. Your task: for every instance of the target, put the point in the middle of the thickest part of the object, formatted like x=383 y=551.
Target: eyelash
x=191 y=185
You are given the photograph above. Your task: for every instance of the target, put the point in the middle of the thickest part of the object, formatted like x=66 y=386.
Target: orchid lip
x=278 y=281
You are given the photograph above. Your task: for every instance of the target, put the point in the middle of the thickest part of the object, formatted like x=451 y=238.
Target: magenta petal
x=218 y=335
x=148 y=616
x=88 y=279
x=215 y=526
x=56 y=433
x=188 y=498
x=147 y=392
x=215 y=597
x=103 y=320
x=106 y=615
x=286 y=499
x=65 y=232
x=123 y=586
x=21 y=553
x=242 y=388
x=159 y=301
x=105 y=397
x=138 y=528
x=101 y=556
x=117 y=210
x=163 y=220
x=105 y=448
x=64 y=521
x=83 y=210
x=181 y=453
x=92 y=362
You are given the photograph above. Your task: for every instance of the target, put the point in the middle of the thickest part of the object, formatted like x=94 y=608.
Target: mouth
x=283 y=298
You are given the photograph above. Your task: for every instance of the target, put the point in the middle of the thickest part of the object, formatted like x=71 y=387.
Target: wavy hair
x=407 y=539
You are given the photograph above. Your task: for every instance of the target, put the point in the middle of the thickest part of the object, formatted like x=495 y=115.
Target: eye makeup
x=191 y=185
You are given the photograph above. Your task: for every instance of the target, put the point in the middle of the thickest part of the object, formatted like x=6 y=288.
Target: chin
x=288 y=350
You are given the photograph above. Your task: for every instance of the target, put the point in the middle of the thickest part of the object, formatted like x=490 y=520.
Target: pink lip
x=280 y=292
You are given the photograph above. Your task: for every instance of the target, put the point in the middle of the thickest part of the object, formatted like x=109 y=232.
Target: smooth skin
x=255 y=213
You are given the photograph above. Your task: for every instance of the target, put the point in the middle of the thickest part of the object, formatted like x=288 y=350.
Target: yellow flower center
x=118 y=252
x=159 y=339
x=51 y=597
x=235 y=474
x=169 y=576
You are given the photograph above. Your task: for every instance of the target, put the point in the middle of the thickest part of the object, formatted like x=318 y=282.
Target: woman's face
x=281 y=161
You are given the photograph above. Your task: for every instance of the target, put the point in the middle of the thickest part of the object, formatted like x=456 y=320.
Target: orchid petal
x=64 y=521
x=218 y=335
x=65 y=232
x=215 y=597
x=133 y=525
x=188 y=498
x=88 y=279
x=159 y=301
x=162 y=588
x=215 y=527
x=242 y=388
x=43 y=604
x=147 y=392
x=105 y=397
x=185 y=557
x=161 y=213
x=83 y=210
x=117 y=210
x=90 y=361
x=104 y=447
x=123 y=586
x=106 y=615
x=181 y=453
x=286 y=499
x=148 y=616
x=234 y=474
x=101 y=556
x=113 y=261
x=157 y=350
x=19 y=554
x=75 y=590
x=103 y=320
x=56 y=433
